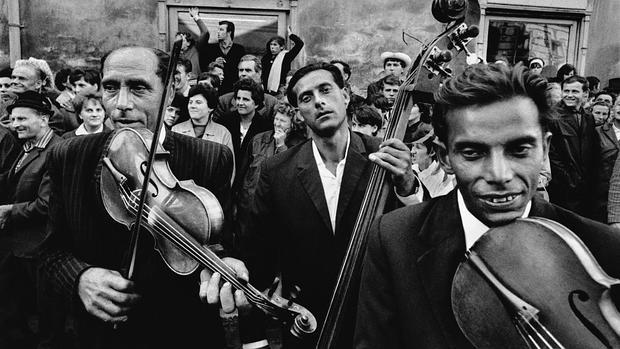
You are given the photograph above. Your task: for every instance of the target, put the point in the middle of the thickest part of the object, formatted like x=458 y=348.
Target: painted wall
x=603 y=58
x=77 y=32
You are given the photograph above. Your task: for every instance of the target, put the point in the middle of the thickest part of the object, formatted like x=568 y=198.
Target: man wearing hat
x=394 y=63
x=22 y=221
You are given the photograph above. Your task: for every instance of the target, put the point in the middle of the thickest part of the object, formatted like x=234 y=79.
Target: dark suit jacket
x=82 y=234
x=292 y=233
x=609 y=147
x=29 y=193
x=412 y=256
x=9 y=149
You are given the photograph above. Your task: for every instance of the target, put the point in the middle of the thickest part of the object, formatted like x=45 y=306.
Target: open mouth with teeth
x=501 y=200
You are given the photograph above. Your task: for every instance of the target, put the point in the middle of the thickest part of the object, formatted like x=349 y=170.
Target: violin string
x=251 y=294
x=525 y=336
x=536 y=331
x=548 y=333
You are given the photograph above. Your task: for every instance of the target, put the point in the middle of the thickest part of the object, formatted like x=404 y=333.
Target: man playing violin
x=492 y=124
x=84 y=249
x=307 y=198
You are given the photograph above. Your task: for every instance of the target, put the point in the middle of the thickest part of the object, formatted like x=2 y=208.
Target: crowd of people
x=288 y=155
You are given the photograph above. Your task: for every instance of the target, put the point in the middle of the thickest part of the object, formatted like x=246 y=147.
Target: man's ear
x=442 y=156
x=347 y=98
x=546 y=144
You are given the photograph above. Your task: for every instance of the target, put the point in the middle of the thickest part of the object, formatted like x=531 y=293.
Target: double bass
x=448 y=53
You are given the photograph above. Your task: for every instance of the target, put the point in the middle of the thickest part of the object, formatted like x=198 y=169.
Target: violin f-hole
x=583 y=297
x=152 y=183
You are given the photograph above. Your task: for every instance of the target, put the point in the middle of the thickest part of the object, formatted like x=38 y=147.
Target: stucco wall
x=77 y=32
x=358 y=31
x=603 y=58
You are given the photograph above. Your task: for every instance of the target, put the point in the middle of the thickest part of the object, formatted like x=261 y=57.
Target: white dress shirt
x=331 y=183
x=472 y=226
x=81 y=130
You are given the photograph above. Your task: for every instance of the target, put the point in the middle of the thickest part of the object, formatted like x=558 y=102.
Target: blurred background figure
x=366 y=120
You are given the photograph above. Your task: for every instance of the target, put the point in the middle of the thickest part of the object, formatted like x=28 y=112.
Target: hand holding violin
x=106 y=294
x=213 y=292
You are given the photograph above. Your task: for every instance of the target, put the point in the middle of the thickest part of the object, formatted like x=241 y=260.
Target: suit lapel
x=355 y=165
x=308 y=175
x=445 y=238
x=608 y=131
x=34 y=153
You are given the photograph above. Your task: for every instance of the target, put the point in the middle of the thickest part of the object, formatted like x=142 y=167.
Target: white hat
x=396 y=55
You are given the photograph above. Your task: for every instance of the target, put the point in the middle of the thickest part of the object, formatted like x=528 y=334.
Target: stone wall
x=603 y=58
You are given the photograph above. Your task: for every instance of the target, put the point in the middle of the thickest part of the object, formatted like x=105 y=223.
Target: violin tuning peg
x=294 y=294
x=273 y=287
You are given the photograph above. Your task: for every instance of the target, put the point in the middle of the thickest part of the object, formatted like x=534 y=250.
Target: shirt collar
x=41 y=143
x=472 y=226
x=81 y=130
x=319 y=160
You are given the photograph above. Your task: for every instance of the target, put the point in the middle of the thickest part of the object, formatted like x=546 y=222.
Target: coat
x=81 y=234
x=574 y=156
x=412 y=256
x=609 y=147
x=30 y=191
x=9 y=149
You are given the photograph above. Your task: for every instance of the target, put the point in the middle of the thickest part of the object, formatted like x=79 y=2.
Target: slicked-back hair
x=230 y=28
x=481 y=85
x=91 y=76
x=255 y=89
x=186 y=64
x=346 y=68
x=162 y=61
x=332 y=69
x=208 y=92
x=585 y=87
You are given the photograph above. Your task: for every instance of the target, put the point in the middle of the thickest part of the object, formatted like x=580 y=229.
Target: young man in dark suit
x=23 y=218
x=492 y=125
x=84 y=250
x=307 y=198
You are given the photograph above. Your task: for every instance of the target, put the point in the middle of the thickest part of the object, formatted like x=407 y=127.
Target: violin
x=534 y=284
x=433 y=64
x=182 y=217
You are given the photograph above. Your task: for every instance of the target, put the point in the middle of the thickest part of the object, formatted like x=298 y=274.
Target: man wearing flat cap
x=394 y=63
x=22 y=221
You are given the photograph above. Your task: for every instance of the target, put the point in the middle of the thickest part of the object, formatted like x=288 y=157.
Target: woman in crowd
x=601 y=112
x=566 y=71
x=202 y=101
x=276 y=61
x=89 y=109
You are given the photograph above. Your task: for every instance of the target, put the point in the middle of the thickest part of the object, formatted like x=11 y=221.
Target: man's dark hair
x=186 y=64
x=576 y=78
x=6 y=72
x=230 y=28
x=188 y=36
x=213 y=79
x=609 y=93
x=278 y=39
x=482 y=84
x=208 y=92
x=255 y=89
x=425 y=112
x=80 y=101
x=332 y=69
x=162 y=61
x=91 y=76
x=366 y=115
x=390 y=80
x=60 y=78
x=565 y=70
x=593 y=81
x=346 y=68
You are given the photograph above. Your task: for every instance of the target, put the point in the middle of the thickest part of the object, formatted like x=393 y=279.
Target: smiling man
x=492 y=124
x=575 y=153
x=84 y=252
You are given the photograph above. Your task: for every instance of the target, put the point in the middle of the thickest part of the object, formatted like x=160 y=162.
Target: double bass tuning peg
x=293 y=295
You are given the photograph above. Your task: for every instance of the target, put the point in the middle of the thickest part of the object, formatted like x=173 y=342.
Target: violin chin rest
x=614 y=293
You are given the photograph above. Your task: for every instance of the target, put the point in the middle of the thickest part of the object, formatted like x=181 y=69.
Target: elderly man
x=495 y=142
x=307 y=198
x=394 y=63
x=85 y=248
x=23 y=218
x=249 y=68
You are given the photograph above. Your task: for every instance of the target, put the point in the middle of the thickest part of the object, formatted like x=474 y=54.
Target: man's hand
x=220 y=60
x=289 y=31
x=65 y=101
x=5 y=211
x=213 y=293
x=194 y=13
x=279 y=136
x=394 y=156
x=106 y=294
